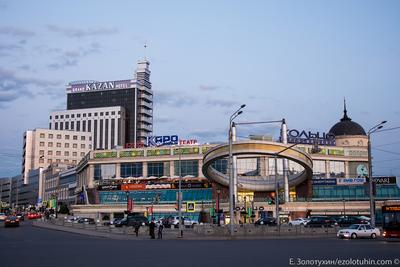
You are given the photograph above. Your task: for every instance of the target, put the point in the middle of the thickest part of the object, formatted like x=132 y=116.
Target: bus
x=391 y=219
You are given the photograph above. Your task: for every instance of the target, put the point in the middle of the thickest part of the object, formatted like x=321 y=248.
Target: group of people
x=152 y=228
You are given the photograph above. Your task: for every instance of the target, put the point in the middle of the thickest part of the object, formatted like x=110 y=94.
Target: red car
x=34 y=215
x=11 y=221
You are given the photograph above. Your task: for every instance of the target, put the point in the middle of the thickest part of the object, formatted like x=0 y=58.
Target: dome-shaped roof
x=346 y=126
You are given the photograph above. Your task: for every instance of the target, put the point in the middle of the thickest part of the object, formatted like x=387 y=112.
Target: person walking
x=152 y=227
x=160 y=229
x=137 y=227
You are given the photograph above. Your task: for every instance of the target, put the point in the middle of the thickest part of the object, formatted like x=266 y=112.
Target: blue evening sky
x=284 y=59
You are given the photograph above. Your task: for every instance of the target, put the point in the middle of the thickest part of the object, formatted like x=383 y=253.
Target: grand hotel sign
x=99 y=86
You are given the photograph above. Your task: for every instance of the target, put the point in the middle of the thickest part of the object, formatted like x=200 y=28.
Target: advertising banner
x=109 y=187
x=328 y=181
x=351 y=181
x=129 y=187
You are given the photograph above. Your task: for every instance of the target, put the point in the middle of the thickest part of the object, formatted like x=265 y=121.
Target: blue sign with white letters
x=165 y=140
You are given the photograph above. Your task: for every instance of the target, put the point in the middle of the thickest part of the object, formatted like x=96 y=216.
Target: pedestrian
x=152 y=227
x=160 y=229
x=137 y=226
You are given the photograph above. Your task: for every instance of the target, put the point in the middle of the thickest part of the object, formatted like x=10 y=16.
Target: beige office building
x=43 y=147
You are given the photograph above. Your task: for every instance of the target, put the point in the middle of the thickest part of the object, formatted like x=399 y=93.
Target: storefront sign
x=384 y=180
x=184 y=185
x=327 y=181
x=110 y=187
x=255 y=208
x=308 y=137
x=351 y=181
x=96 y=86
x=131 y=187
x=165 y=140
x=188 y=142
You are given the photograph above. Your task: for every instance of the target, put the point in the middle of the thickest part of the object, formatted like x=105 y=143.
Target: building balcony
x=148 y=112
x=145 y=104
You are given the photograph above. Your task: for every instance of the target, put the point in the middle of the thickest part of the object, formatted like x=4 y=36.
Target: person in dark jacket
x=137 y=227
x=152 y=227
x=160 y=229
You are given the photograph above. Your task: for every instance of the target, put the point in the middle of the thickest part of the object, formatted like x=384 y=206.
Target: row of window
x=157 y=169
x=58 y=153
x=49 y=161
x=66 y=137
x=66 y=145
x=354 y=192
x=67 y=116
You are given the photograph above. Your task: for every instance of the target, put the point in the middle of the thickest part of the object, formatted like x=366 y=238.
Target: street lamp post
x=231 y=185
x=218 y=208
x=344 y=207
x=371 y=185
x=180 y=194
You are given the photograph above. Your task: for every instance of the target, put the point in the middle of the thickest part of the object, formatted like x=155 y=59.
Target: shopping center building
x=334 y=171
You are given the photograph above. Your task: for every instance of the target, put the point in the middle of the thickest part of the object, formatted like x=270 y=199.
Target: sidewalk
x=168 y=234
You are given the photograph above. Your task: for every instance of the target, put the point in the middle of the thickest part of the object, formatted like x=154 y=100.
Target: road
x=32 y=246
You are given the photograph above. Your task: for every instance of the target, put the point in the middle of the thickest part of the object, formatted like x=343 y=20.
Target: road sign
x=190 y=206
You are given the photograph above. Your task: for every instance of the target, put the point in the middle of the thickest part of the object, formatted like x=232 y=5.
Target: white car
x=299 y=221
x=186 y=221
x=359 y=230
x=2 y=216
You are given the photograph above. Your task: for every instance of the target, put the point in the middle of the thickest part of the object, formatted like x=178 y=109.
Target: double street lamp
x=371 y=185
x=231 y=182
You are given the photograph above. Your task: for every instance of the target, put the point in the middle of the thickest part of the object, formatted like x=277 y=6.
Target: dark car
x=11 y=221
x=321 y=221
x=265 y=221
x=86 y=221
x=349 y=220
x=120 y=222
x=133 y=220
x=20 y=216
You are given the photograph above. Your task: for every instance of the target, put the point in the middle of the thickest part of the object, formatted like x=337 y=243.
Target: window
x=42 y=135
x=56 y=126
x=95 y=113
x=50 y=136
x=101 y=113
x=112 y=112
x=319 y=167
x=107 y=113
x=74 y=161
x=336 y=168
x=50 y=152
x=50 y=117
x=82 y=154
x=75 y=145
x=58 y=153
x=75 y=154
x=158 y=169
x=61 y=126
x=78 y=126
x=66 y=145
x=58 y=144
x=66 y=125
x=72 y=125
x=131 y=169
x=49 y=161
x=84 y=115
x=188 y=167
x=56 y=116
x=62 y=116
x=58 y=136
x=41 y=144
x=50 y=144
x=72 y=115
x=66 y=137
x=82 y=138
x=66 y=160
x=58 y=160
x=104 y=171
x=41 y=160
x=66 y=153
x=41 y=152
x=78 y=115
x=89 y=114
x=75 y=137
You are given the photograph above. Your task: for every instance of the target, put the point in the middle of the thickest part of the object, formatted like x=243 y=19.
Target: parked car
x=120 y=222
x=266 y=221
x=349 y=220
x=86 y=221
x=133 y=220
x=298 y=221
x=11 y=221
x=359 y=230
x=3 y=216
x=321 y=221
x=71 y=219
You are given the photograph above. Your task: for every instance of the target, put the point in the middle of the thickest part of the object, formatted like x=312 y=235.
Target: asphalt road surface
x=30 y=246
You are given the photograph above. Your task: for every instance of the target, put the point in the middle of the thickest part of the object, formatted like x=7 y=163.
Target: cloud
x=8 y=49
x=222 y=103
x=71 y=58
x=210 y=135
x=203 y=87
x=13 y=87
x=163 y=120
x=79 y=33
x=173 y=99
x=16 y=32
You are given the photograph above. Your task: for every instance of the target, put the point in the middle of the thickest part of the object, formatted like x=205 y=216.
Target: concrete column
x=118 y=170
x=327 y=169
x=171 y=168
x=90 y=176
x=234 y=166
x=200 y=168
x=346 y=169
x=144 y=166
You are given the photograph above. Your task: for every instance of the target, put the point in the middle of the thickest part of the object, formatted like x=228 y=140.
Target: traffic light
x=271 y=201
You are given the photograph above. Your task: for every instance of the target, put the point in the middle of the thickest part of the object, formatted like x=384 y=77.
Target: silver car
x=359 y=231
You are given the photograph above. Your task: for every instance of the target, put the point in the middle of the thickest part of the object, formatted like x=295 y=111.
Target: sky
x=296 y=60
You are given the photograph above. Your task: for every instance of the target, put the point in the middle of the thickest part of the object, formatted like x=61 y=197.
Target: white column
x=234 y=167
x=285 y=163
